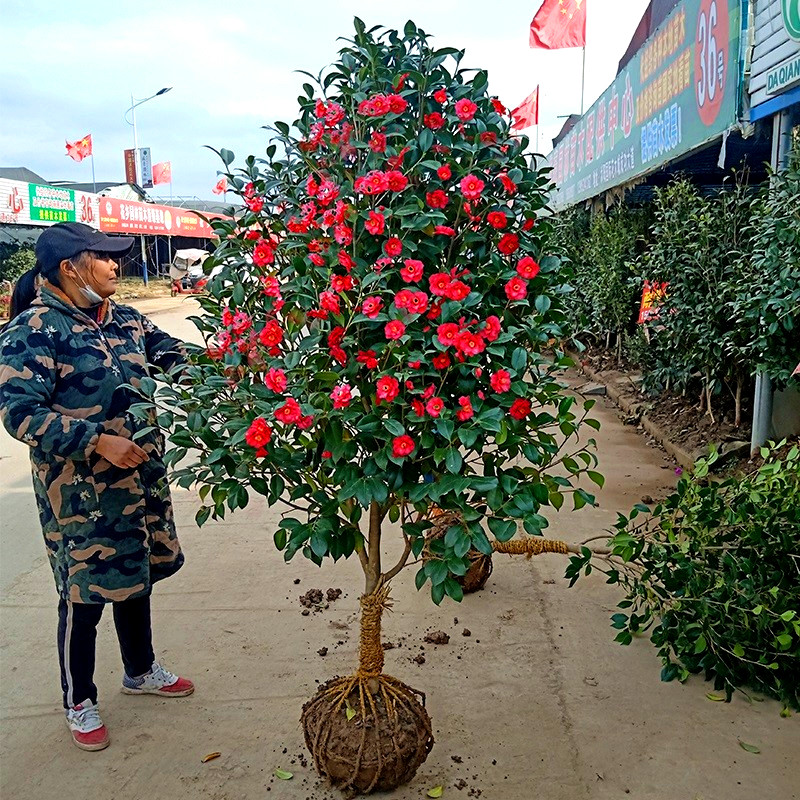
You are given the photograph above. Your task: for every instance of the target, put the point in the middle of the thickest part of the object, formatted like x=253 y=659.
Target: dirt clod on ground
x=312 y=598
x=333 y=595
x=323 y=651
x=420 y=659
x=437 y=637
x=466 y=632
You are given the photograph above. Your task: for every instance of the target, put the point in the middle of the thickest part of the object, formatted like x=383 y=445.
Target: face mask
x=87 y=292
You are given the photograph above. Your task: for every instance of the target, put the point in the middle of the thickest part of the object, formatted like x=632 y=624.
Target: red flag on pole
x=559 y=23
x=81 y=148
x=221 y=186
x=162 y=173
x=527 y=112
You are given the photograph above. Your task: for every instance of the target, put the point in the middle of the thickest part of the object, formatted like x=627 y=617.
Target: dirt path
x=537 y=702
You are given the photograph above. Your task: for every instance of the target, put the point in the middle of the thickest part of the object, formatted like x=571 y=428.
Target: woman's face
x=98 y=271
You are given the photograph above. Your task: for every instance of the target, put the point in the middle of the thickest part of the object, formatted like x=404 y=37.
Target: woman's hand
x=121 y=452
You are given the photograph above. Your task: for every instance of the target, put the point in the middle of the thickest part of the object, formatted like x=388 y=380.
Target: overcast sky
x=69 y=68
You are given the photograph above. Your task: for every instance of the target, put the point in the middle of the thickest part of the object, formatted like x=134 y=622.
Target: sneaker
x=158 y=681
x=88 y=731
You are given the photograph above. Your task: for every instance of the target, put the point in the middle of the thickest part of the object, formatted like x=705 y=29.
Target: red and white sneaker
x=158 y=681
x=88 y=731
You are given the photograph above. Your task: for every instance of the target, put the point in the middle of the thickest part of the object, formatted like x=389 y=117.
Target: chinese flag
x=559 y=23
x=221 y=186
x=162 y=173
x=527 y=112
x=80 y=149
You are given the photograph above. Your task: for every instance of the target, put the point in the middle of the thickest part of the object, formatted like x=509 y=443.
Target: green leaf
x=700 y=645
x=751 y=748
x=283 y=774
x=715 y=697
x=503 y=529
x=436 y=791
x=453 y=461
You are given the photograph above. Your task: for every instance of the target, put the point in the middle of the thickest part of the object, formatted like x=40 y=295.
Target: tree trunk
x=738 y=402
x=370 y=648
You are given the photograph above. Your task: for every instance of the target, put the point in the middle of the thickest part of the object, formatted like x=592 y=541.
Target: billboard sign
x=678 y=92
x=128 y=216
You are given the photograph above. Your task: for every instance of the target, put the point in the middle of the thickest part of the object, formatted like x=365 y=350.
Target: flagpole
x=94 y=182
x=583 y=77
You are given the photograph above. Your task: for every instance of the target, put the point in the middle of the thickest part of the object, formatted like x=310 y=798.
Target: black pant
x=77 y=633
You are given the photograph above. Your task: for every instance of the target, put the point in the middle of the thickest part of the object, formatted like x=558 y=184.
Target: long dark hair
x=25 y=288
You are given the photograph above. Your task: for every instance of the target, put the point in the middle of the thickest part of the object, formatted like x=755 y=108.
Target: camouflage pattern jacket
x=109 y=531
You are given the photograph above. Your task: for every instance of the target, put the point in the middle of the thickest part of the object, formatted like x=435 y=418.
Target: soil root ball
x=367 y=733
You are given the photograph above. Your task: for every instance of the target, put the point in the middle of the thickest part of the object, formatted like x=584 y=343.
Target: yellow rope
x=370 y=649
x=530 y=547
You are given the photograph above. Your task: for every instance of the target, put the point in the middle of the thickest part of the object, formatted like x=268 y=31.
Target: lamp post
x=137 y=159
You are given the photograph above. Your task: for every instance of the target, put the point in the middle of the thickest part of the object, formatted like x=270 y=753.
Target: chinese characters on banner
x=667 y=101
x=127 y=216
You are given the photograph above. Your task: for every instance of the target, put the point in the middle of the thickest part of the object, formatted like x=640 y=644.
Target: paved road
x=21 y=547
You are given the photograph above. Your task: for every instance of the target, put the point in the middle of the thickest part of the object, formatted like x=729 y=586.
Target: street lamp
x=136 y=157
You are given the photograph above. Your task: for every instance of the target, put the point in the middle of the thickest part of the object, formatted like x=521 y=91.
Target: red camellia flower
x=376 y=223
x=508 y=244
x=404 y=298
x=367 y=358
x=412 y=270
x=435 y=406
x=394 y=329
x=328 y=301
x=439 y=283
x=418 y=303
x=466 y=411
x=397 y=104
x=396 y=180
x=395 y=162
x=304 y=423
x=259 y=433
x=469 y=343
x=317 y=259
x=508 y=184
x=289 y=413
x=377 y=142
x=373 y=182
x=387 y=388
x=471 y=187
x=341 y=283
x=271 y=334
x=393 y=246
x=434 y=121
x=343 y=234
x=371 y=306
x=457 y=290
x=497 y=219
x=527 y=268
x=341 y=395
x=346 y=260
x=440 y=96
x=529 y=223
x=444 y=230
x=272 y=287
x=402 y=446
x=520 y=408
x=252 y=236
x=516 y=289
x=275 y=380
x=444 y=172
x=500 y=381
x=488 y=137
x=437 y=199
x=465 y=109
x=263 y=254
x=441 y=361
x=418 y=407
x=327 y=454
x=447 y=333
x=328 y=192
x=491 y=329
x=498 y=106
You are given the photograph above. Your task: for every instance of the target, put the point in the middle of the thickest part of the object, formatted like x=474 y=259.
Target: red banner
x=128 y=216
x=652 y=296
x=130 y=166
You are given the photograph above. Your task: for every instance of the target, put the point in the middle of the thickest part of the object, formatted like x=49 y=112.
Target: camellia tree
x=375 y=355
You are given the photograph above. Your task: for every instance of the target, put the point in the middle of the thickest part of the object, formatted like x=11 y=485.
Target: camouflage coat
x=109 y=531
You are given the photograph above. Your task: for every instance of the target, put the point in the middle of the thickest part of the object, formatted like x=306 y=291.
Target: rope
x=530 y=547
x=370 y=649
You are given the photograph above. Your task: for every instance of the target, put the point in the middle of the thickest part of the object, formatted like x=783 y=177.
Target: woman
x=68 y=360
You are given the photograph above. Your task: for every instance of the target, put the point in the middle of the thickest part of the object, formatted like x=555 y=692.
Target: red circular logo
x=711 y=58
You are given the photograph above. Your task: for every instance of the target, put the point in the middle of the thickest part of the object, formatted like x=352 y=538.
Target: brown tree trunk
x=738 y=402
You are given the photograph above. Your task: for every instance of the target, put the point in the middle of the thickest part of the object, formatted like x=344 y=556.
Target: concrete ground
x=538 y=702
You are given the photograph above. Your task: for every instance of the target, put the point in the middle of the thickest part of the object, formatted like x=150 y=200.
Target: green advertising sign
x=791 y=17
x=680 y=90
x=51 y=204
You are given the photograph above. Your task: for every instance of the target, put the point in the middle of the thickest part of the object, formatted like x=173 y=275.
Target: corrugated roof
x=22 y=174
